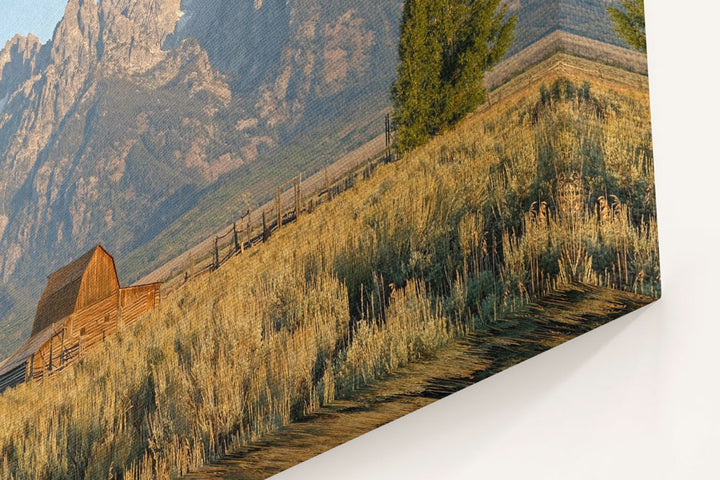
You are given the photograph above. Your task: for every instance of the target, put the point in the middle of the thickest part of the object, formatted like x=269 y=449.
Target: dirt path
x=556 y=319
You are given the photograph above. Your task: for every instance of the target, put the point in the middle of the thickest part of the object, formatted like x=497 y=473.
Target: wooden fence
x=244 y=234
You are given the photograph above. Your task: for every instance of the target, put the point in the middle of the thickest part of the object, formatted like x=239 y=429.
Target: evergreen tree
x=446 y=46
x=630 y=23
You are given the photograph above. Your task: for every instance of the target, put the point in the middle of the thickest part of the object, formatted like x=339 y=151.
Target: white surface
x=636 y=399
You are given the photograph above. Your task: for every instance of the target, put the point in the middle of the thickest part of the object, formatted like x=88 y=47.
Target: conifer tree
x=630 y=23
x=446 y=46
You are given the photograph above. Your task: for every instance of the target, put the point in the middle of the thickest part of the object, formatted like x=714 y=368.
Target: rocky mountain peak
x=134 y=109
x=20 y=59
x=122 y=34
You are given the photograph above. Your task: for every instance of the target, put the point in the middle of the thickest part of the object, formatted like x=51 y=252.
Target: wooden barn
x=82 y=305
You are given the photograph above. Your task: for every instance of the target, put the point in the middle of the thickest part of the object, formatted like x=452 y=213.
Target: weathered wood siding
x=90 y=326
x=53 y=356
x=99 y=280
x=83 y=330
x=137 y=301
x=94 y=324
x=80 y=284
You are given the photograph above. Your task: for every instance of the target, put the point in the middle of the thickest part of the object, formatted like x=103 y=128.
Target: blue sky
x=29 y=16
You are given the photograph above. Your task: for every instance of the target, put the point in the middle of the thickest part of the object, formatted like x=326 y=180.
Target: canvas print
x=234 y=235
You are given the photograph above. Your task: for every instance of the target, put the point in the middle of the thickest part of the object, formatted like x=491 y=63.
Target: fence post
x=278 y=208
x=235 y=237
x=387 y=138
x=327 y=184
x=296 y=184
x=217 y=255
x=249 y=227
x=62 y=347
x=265 y=230
x=32 y=369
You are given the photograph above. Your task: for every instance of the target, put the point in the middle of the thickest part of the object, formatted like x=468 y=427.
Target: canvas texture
x=234 y=235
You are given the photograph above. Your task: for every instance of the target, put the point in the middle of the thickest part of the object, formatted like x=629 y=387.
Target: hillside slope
x=551 y=186
x=141 y=115
x=538 y=21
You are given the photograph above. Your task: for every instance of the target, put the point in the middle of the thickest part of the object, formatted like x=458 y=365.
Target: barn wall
x=53 y=356
x=137 y=301
x=83 y=330
x=93 y=324
x=99 y=280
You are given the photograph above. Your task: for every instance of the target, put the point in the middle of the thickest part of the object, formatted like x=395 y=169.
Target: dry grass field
x=549 y=185
x=468 y=359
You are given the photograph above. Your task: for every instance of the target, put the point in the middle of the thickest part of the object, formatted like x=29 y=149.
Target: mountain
x=134 y=108
x=137 y=111
x=538 y=18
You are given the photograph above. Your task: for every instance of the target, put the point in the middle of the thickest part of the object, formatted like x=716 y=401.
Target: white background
x=638 y=398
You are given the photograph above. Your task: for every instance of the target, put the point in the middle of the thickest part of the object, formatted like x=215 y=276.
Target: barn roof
x=60 y=296
x=29 y=348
